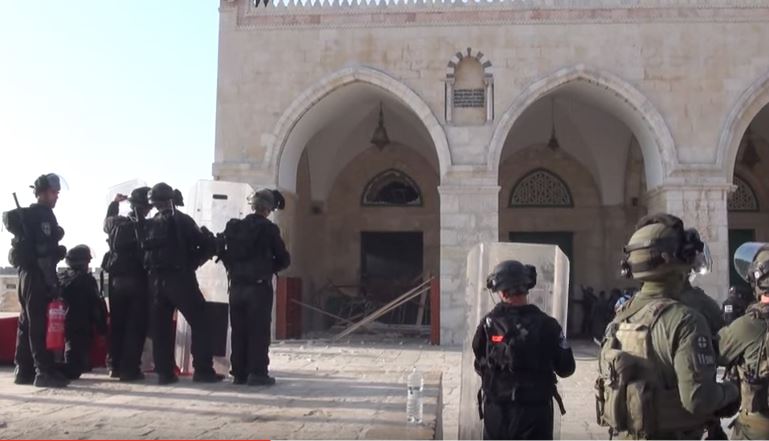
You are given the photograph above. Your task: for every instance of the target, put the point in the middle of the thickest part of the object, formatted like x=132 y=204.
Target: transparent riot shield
x=550 y=295
x=211 y=204
x=124 y=188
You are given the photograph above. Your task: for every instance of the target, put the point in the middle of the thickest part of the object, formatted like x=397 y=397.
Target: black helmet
x=51 y=181
x=512 y=276
x=160 y=192
x=178 y=198
x=138 y=197
x=79 y=255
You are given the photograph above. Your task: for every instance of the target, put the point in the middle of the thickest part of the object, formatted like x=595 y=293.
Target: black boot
x=49 y=380
x=260 y=380
x=167 y=379
x=24 y=378
x=207 y=377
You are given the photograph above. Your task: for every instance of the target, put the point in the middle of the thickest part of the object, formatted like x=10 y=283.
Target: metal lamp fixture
x=380 y=138
x=553 y=143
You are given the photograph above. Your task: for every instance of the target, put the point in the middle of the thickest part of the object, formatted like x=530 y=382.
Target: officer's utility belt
x=515 y=399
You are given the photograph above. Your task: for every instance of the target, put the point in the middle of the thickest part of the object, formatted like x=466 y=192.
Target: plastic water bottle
x=415 y=384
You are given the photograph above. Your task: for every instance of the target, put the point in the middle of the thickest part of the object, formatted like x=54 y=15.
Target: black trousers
x=129 y=310
x=77 y=354
x=517 y=421
x=34 y=295
x=179 y=290
x=251 y=320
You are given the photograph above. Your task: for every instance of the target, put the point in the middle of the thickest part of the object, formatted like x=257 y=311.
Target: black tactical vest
x=248 y=250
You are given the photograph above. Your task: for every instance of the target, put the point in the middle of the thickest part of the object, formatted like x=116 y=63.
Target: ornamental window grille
x=392 y=188
x=541 y=188
x=743 y=198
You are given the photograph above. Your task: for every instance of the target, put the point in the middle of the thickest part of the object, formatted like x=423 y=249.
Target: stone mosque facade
x=551 y=121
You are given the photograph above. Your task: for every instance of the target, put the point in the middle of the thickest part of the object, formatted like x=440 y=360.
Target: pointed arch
x=279 y=149
x=743 y=112
x=615 y=94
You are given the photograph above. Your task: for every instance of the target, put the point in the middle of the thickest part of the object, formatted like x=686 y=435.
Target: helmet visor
x=744 y=256
x=703 y=262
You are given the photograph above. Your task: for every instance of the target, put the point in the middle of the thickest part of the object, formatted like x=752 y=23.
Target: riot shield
x=550 y=295
x=211 y=204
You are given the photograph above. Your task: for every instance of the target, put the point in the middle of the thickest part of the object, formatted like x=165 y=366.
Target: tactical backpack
x=123 y=248
x=247 y=255
x=161 y=244
x=754 y=384
x=511 y=368
x=630 y=393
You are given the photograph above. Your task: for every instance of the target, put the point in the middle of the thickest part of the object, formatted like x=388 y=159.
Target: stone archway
x=744 y=111
x=627 y=102
x=283 y=153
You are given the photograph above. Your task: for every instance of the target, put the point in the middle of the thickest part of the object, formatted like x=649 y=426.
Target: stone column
x=469 y=215
x=702 y=207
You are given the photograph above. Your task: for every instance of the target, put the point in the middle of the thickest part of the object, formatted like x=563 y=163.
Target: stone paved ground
x=350 y=391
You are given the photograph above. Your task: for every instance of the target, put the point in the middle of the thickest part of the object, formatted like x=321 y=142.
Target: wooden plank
x=385 y=309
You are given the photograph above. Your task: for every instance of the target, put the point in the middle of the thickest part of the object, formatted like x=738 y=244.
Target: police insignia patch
x=702 y=342
x=46 y=227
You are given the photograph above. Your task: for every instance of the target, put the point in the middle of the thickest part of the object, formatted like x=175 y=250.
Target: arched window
x=743 y=198
x=540 y=188
x=392 y=188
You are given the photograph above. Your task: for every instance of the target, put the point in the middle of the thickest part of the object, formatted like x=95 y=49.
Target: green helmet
x=660 y=247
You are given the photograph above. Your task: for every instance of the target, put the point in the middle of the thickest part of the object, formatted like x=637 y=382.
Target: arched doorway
x=748 y=204
x=364 y=221
x=587 y=147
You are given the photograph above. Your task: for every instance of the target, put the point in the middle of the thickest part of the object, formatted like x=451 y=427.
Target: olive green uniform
x=695 y=298
x=743 y=344
x=684 y=363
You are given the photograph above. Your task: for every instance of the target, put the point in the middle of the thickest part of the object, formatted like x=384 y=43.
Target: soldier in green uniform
x=657 y=367
x=744 y=344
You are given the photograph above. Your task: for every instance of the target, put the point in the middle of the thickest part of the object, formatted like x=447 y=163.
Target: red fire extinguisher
x=54 y=333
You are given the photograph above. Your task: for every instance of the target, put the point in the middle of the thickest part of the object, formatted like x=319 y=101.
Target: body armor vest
x=247 y=250
x=123 y=256
x=512 y=369
x=754 y=378
x=631 y=395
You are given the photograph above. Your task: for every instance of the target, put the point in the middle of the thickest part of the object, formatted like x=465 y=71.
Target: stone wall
x=685 y=95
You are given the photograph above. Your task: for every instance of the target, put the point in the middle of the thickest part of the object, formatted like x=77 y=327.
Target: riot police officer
x=744 y=344
x=128 y=292
x=86 y=311
x=736 y=303
x=252 y=252
x=657 y=370
x=174 y=247
x=519 y=350
x=35 y=252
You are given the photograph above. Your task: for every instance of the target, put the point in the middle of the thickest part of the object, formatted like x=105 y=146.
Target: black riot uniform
x=174 y=247
x=35 y=252
x=519 y=350
x=86 y=311
x=735 y=305
x=129 y=287
x=252 y=252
